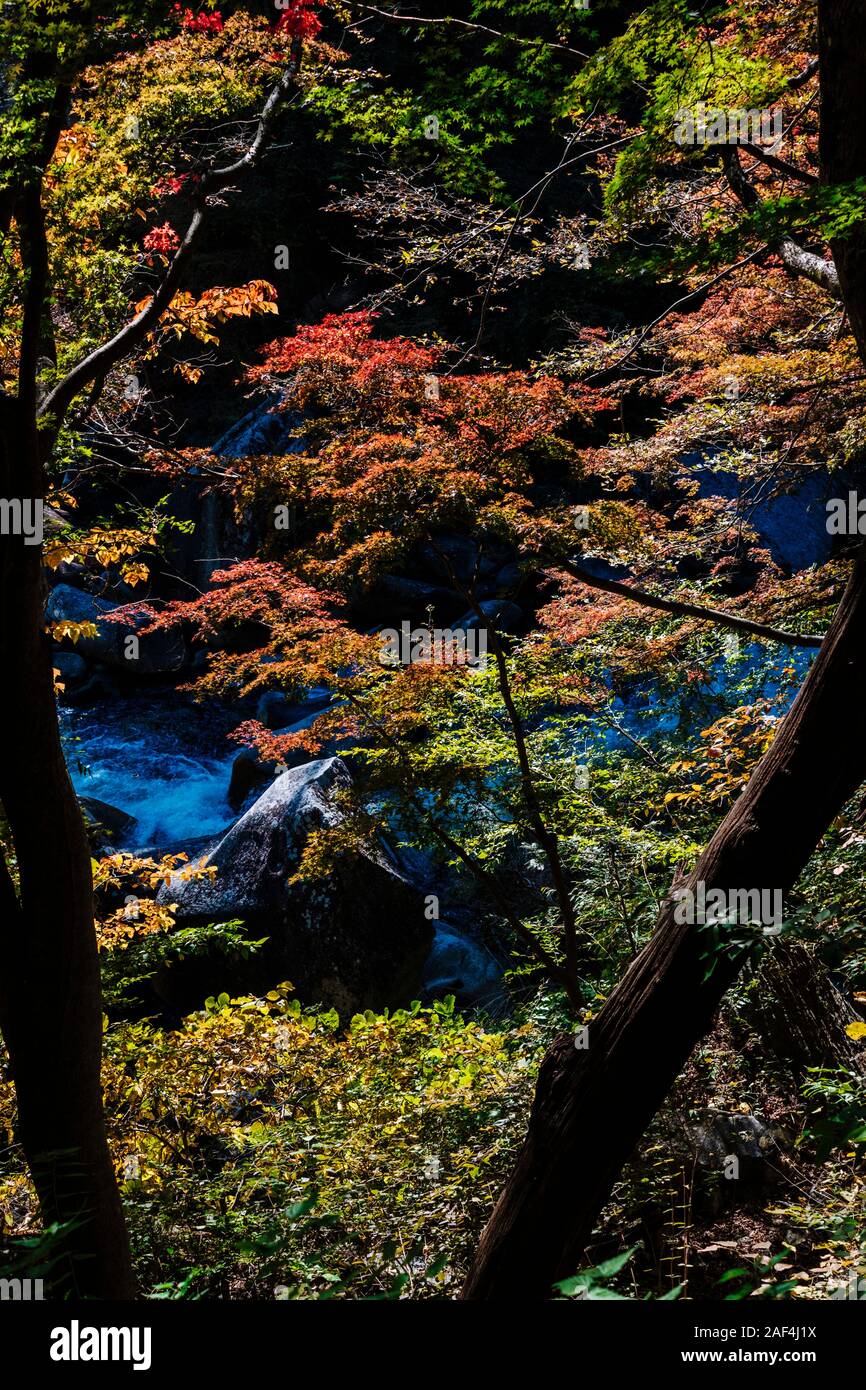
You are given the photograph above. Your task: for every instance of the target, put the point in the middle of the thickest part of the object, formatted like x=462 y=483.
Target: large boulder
x=354 y=940
x=264 y=429
x=250 y=771
x=157 y=653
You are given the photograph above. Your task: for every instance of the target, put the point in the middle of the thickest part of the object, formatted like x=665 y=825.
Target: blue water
x=161 y=759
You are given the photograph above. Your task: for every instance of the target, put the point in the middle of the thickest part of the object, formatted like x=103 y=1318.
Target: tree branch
x=467 y=24
x=546 y=838
x=103 y=358
x=431 y=821
x=681 y=609
x=795 y=257
x=781 y=165
x=803 y=77
x=677 y=304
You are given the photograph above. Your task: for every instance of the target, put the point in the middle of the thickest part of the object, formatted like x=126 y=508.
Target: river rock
x=357 y=939
x=263 y=430
x=72 y=668
x=456 y=557
x=459 y=965
x=276 y=711
x=107 y=826
x=500 y=613
x=158 y=652
x=249 y=773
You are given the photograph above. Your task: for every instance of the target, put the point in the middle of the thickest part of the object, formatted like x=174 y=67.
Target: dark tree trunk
x=591 y=1106
x=842 y=144
x=800 y=1014
x=50 y=1009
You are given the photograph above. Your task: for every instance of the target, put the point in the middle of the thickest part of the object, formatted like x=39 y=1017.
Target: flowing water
x=158 y=757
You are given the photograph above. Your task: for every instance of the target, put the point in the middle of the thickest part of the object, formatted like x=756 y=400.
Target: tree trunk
x=591 y=1106
x=50 y=1009
x=842 y=140
x=800 y=1014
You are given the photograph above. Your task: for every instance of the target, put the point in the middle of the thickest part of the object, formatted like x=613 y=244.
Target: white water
x=163 y=761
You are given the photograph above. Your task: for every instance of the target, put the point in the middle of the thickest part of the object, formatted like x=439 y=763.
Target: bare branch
x=677 y=304
x=680 y=609
x=467 y=24
x=781 y=165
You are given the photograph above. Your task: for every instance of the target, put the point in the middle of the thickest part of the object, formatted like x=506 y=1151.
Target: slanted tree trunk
x=50 y=1009
x=592 y=1106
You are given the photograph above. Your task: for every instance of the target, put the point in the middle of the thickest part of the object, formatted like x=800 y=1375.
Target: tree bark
x=842 y=139
x=591 y=1106
x=50 y=1009
x=800 y=1014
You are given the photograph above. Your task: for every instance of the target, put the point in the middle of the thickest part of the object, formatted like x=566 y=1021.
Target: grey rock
x=263 y=430
x=354 y=940
x=107 y=826
x=276 y=711
x=459 y=965
x=724 y=1135
x=249 y=773
x=72 y=667
x=159 y=653
x=499 y=613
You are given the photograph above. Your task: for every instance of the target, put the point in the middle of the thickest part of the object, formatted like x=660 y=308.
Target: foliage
x=264 y=1149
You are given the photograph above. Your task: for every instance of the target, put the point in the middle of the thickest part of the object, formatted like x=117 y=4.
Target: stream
x=157 y=756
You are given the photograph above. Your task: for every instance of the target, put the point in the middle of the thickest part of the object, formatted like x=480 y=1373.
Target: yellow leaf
x=856 y=1030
